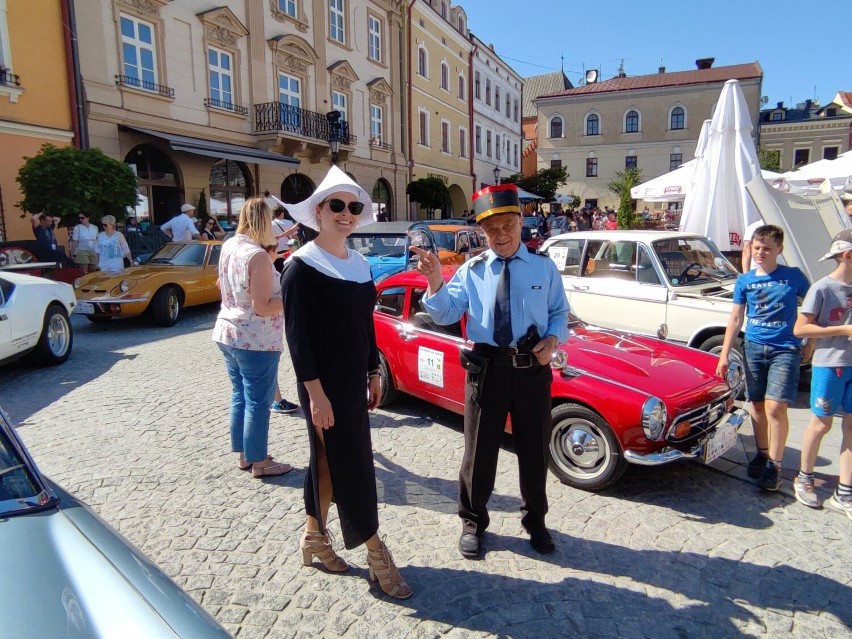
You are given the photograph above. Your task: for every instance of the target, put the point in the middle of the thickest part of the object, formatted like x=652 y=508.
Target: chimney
x=704 y=63
x=780 y=105
x=661 y=70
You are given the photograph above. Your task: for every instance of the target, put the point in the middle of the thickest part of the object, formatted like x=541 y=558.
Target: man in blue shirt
x=517 y=316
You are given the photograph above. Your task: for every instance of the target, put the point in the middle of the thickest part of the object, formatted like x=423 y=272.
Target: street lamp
x=496 y=172
x=333 y=118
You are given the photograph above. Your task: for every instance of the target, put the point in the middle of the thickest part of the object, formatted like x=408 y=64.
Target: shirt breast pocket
x=535 y=299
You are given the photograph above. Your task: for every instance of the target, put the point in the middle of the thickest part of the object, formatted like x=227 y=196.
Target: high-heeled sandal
x=384 y=570
x=315 y=544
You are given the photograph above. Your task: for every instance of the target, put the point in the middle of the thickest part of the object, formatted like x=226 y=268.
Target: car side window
x=391 y=301
x=566 y=254
x=419 y=318
x=6 y=288
x=613 y=260
x=215 y=252
x=645 y=271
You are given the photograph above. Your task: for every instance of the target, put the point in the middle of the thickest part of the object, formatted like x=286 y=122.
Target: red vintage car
x=618 y=398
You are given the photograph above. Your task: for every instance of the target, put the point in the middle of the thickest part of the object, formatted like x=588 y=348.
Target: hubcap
x=57 y=335
x=173 y=306
x=579 y=448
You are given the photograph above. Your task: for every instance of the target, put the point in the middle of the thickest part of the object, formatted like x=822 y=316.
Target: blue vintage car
x=387 y=246
x=67 y=573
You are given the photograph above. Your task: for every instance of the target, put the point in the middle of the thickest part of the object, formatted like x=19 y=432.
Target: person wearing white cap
x=826 y=316
x=329 y=297
x=181 y=228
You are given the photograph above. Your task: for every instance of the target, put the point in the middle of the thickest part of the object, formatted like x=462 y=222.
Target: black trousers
x=525 y=394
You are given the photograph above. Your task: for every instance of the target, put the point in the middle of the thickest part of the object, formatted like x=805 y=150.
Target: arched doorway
x=383 y=201
x=159 y=184
x=230 y=185
x=295 y=188
x=458 y=202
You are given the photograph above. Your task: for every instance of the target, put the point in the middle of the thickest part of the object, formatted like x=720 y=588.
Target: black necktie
x=502 y=307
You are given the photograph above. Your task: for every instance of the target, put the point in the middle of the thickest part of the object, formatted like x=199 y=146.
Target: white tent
x=811 y=176
x=717 y=204
x=671 y=187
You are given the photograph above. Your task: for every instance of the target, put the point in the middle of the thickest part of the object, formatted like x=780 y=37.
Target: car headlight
x=734 y=376
x=77 y=283
x=560 y=359
x=124 y=286
x=654 y=417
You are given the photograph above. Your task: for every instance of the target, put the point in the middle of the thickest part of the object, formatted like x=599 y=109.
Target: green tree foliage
x=621 y=185
x=770 y=160
x=430 y=193
x=68 y=181
x=545 y=183
x=201 y=209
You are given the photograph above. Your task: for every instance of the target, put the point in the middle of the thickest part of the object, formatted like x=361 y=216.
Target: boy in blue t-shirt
x=826 y=316
x=772 y=353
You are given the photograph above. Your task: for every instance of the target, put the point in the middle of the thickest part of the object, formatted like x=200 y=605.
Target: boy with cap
x=517 y=315
x=826 y=316
x=771 y=351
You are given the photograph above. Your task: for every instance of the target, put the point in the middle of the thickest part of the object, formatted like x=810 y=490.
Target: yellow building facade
x=35 y=106
x=439 y=107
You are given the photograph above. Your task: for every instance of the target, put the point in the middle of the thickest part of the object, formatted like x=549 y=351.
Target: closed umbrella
x=717 y=204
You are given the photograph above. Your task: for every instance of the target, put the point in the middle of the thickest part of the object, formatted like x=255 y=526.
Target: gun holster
x=475 y=365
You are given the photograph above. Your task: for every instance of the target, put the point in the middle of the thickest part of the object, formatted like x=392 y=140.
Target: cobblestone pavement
x=135 y=423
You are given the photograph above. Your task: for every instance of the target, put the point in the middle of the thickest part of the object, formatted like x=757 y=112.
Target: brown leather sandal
x=315 y=544
x=270 y=470
x=384 y=570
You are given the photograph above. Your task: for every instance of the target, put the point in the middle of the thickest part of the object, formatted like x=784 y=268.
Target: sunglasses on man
x=337 y=206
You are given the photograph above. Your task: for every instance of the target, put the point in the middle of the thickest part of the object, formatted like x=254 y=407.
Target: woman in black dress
x=329 y=297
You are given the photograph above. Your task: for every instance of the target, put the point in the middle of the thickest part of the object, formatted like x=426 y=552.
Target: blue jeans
x=253 y=375
x=772 y=372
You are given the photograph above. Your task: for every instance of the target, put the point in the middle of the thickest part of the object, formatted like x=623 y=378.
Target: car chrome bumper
x=736 y=417
x=114 y=300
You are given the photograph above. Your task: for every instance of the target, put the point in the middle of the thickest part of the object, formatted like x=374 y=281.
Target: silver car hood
x=66 y=573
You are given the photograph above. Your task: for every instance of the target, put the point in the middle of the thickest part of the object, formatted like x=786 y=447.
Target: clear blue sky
x=803 y=48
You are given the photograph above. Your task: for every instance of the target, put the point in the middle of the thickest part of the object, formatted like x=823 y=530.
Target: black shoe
x=470 y=546
x=756 y=465
x=542 y=542
x=771 y=478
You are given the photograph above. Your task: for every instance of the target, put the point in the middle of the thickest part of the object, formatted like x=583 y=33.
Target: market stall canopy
x=671 y=187
x=526 y=196
x=811 y=176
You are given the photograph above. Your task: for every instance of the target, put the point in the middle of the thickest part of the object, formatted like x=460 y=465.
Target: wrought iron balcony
x=377 y=143
x=136 y=83
x=8 y=78
x=227 y=106
x=276 y=116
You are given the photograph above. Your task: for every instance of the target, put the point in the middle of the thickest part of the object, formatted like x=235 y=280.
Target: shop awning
x=222 y=150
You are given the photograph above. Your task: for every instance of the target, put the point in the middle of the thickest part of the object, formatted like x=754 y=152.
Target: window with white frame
x=631 y=121
x=488 y=143
x=476 y=87
x=488 y=91
x=497 y=145
x=377 y=127
x=477 y=139
x=424 y=128
x=556 y=127
x=497 y=99
x=138 y=52
x=5 y=49
x=445 y=136
x=516 y=110
x=288 y=7
x=462 y=142
x=516 y=155
x=375 y=38
x=462 y=92
x=593 y=124
x=290 y=97
x=508 y=105
x=221 y=69
x=422 y=62
x=445 y=76
x=678 y=118
x=338 y=103
x=336 y=20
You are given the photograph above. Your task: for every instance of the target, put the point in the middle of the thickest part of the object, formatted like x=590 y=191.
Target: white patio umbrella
x=717 y=204
x=526 y=196
x=811 y=176
x=670 y=187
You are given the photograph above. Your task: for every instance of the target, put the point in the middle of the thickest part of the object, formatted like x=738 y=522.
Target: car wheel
x=714 y=346
x=165 y=307
x=98 y=319
x=389 y=391
x=54 y=345
x=583 y=450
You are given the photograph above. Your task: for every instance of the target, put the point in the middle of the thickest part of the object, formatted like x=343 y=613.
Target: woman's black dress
x=329 y=327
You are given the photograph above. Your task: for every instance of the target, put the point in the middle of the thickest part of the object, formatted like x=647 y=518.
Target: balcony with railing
x=144 y=85
x=9 y=79
x=225 y=106
x=298 y=128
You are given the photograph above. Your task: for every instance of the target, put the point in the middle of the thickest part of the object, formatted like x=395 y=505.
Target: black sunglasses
x=337 y=206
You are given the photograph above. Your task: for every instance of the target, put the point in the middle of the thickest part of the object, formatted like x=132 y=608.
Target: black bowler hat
x=494 y=200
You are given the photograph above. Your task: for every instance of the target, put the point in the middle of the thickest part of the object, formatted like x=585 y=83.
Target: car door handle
x=579 y=288
x=405 y=335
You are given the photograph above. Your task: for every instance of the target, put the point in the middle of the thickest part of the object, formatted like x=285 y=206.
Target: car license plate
x=720 y=442
x=84 y=308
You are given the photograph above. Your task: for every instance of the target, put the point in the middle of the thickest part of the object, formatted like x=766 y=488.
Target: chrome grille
x=702 y=420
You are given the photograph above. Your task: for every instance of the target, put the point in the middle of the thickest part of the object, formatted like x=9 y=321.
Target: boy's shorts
x=831 y=390
x=772 y=372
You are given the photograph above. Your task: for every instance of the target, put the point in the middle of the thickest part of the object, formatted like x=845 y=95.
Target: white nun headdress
x=335 y=181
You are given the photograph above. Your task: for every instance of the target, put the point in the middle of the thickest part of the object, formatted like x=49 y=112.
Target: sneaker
x=771 y=478
x=283 y=407
x=843 y=504
x=757 y=465
x=805 y=493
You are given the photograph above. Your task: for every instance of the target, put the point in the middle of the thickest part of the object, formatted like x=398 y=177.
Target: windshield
x=378 y=245
x=692 y=260
x=180 y=255
x=445 y=240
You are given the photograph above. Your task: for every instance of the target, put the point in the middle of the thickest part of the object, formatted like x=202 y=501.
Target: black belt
x=506 y=356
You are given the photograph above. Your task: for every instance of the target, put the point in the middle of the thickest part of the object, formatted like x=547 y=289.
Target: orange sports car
x=456 y=243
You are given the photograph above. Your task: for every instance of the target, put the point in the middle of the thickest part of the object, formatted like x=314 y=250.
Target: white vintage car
x=665 y=284
x=34 y=318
